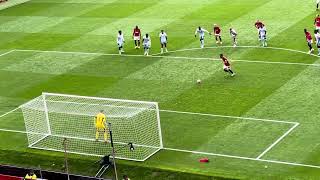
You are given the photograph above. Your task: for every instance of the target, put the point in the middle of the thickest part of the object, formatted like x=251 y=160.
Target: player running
x=317 y=22
x=101 y=126
x=217 y=33
x=201 y=33
x=120 y=42
x=309 y=40
x=263 y=36
x=146 y=44
x=317 y=38
x=136 y=37
x=226 y=65
x=258 y=24
x=233 y=35
x=163 y=41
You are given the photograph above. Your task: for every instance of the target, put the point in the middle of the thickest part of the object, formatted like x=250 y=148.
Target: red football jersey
x=217 y=30
x=136 y=32
x=308 y=36
x=317 y=21
x=225 y=61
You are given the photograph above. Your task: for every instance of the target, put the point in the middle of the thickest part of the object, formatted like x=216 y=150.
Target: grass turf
x=262 y=90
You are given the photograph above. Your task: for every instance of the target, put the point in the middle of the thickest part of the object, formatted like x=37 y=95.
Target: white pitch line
x=244 y=158
x=176 y=57
x=9 y=112
x=210 y=154
x=278 y=140
x=231 y=117
x=3 y=54
x=257 y=47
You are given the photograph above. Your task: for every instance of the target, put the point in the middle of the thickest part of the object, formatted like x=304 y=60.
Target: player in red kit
x=258 y=24
x=317 y=22
x=217 y=33
x=309 y=40
x=136 y=37
x=226 y=65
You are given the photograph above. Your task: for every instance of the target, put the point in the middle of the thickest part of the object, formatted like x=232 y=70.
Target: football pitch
x=261 y=124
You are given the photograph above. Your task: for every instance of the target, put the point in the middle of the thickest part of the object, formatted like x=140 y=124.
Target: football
x=199 y=81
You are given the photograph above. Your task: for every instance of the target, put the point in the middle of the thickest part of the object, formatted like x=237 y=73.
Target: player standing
x=217 y=33
x=136 y=37
x=309 y=40
x=317 y=37
x=226 y=65
x=146 y=44
x=201 y=33
x=258 y=24
x=120 y=42
x=101 y=126
x=263 y=36
x=233 y=35
x=163 y=40
x=317 y=22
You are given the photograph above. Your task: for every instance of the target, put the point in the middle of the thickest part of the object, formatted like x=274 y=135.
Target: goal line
x=259 y=158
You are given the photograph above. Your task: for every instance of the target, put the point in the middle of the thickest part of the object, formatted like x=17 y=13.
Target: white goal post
x=52 y=117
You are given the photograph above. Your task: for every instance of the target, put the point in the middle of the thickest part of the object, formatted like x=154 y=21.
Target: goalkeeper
x=101 y=125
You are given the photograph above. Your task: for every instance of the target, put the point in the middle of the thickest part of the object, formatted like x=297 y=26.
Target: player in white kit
x=146 y=44
x=263 y=36
x=201 y=33
x=317 y=37
x=233 y=35
x=163 y=40
x=120 y=42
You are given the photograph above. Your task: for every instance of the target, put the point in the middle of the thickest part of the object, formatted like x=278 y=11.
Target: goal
x=52 y=117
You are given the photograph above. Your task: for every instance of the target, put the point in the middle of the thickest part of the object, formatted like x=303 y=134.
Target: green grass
x=284 y=92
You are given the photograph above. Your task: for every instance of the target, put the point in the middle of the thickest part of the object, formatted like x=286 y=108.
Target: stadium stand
x=17 y=173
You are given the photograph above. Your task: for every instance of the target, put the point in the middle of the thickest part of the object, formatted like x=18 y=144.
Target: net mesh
x=50 y=118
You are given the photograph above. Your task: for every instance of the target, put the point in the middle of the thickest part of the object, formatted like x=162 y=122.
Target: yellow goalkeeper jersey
x=100 y=120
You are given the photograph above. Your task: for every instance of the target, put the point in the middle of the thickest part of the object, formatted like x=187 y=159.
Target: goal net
x=50 y=118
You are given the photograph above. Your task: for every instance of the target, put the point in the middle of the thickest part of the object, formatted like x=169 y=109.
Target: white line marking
x=211 y=154
x=3 y=54
x=9 y=112
x=181 y=57
x=241 y=157
x=257 y=47
x=231 y=117
x=277 y=141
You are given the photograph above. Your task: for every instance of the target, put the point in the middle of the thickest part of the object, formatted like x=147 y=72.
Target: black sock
x=216 y=38
x=230 y=71
x=220 y=38
x=310 y=47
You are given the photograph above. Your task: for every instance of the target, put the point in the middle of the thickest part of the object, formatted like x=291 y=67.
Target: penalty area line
x=176 y=57
x=243 y=158
x=278 y=140
x=8 y=52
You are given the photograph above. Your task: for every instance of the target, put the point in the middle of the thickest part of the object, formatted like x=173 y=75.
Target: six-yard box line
x=258 y=158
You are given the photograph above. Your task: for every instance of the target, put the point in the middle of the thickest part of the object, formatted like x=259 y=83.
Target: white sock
x=166 y=50
x=161 y=50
